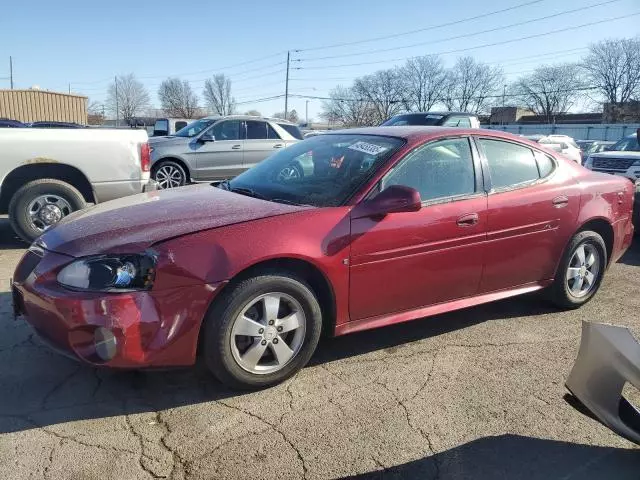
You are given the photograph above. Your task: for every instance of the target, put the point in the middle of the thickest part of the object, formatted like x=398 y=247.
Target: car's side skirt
x=438 y=308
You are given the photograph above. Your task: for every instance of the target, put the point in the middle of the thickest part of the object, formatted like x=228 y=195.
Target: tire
x=69 y=199
x=169 y=174
x=562 y=292
x=224 y=348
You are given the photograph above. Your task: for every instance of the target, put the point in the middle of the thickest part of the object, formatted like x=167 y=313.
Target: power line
x=441 y=99
x=260 y=100
x=504 y=42
x=432 y=27
x=456 y=37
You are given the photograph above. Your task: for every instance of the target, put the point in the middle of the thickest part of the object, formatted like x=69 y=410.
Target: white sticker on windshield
x=369 y=148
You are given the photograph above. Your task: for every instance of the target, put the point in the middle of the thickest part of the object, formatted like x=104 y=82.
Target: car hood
x=134 y=223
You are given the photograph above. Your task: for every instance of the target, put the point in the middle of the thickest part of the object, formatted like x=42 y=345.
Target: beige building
x=38 y=105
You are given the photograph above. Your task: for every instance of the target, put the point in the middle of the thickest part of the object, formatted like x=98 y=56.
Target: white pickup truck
x=45 y=174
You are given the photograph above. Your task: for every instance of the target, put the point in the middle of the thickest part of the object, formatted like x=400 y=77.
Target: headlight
x=109 y=273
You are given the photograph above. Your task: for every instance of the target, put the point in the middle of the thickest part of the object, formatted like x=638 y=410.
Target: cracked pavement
x=472 y=394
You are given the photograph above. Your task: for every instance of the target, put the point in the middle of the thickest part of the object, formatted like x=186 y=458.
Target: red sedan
x=344 y=232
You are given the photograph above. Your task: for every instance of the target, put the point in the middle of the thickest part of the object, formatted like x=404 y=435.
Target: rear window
x=293 y=130
x=161 y=127
x=413 y=119
x=180 y=125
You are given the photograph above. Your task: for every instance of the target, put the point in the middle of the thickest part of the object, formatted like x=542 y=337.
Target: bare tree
x=217 y=93
x=177 y=98
x=292 y=116
x=423 y=81
x=549 y=90
x=470 y=84
x=95 y=113
x=128 y=95
x=346 y=107
x=383 y=92
x=255 y=113
x=613 y=67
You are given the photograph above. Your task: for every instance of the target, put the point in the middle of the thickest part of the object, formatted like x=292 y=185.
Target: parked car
x=445 y=119
x=45 y=174
x=391 y=225
x=560 y=143
x=8 y=123
x=55 y=125
x=587 y=147
x=169 y=126
x=623 y=158
x=215 y=148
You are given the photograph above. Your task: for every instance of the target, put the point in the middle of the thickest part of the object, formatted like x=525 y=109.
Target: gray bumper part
x=609 y=357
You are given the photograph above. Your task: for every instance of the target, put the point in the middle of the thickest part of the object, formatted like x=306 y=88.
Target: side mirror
x=393 y=199
x=207 y=137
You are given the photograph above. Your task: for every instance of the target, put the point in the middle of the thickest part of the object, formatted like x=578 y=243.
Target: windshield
x=293 y=130
x=413 y=119
x=322 y=171
x=627 y=144
x=195 y=128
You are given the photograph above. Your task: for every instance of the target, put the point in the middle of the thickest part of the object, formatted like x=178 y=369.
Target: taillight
x=145 y=157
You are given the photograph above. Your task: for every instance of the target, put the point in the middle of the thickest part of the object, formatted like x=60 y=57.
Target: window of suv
x=458 y=122
x=293 y=130
x=256 y=130
x=627 y=144
x=509 y=164
x=227 y=130
x=437 y=170
x=194 y=128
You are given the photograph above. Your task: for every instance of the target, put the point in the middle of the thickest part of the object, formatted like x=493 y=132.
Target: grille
x=28 y=263
x=621 y=164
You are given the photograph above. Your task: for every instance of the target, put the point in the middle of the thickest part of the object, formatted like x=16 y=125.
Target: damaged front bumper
x=609 y=358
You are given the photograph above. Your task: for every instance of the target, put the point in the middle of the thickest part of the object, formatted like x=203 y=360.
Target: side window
x=227 y=130
x=256 y=130
x=509 y=164
x=546 y=165
x=451 y=122
x=180 y=125
x=436 y=170
x=271 y=133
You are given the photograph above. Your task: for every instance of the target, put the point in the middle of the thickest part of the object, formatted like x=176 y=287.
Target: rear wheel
x=169 y=174
x=263 y=331
x=580 y=272
x=40 y=204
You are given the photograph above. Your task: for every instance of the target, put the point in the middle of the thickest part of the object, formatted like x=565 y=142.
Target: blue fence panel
x=592 y=131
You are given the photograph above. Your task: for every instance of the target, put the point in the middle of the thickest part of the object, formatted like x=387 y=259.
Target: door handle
x=236 y=147
x=561 y=201
x=278 y=145
x=468 y=220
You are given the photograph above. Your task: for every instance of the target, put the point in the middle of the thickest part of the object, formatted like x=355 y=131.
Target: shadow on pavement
x=41 y=388
x=632 y=256
x=8 y=239
x=512 y=456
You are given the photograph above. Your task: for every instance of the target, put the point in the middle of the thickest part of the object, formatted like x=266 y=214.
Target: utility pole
x=286 y=90
x=306 y=111
x=117 y=111
x=504 y=93
x=11 y=71
x=69 y=88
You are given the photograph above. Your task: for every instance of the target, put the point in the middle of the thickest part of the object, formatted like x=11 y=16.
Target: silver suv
x=215 y=148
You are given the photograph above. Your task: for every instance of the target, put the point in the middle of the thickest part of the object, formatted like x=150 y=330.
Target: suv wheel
x=169 y=174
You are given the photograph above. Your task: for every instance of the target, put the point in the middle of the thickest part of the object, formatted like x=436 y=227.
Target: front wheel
x=263 y=331
x=169 y=174
x=580 y=272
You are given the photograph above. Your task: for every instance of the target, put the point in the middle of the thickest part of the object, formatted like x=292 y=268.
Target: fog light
x=105 y=343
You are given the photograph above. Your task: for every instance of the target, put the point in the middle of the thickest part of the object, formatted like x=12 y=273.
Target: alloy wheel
x=169 y=176
x=584 y=268
x=268 y=333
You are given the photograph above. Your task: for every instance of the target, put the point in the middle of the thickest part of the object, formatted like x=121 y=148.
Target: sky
x=82 y=45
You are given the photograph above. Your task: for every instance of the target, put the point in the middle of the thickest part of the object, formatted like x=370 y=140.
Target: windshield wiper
x=224 y=185
x=248 y=192
x=290 y=202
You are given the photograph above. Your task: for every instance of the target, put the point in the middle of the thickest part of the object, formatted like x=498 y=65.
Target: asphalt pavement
x=476 y=394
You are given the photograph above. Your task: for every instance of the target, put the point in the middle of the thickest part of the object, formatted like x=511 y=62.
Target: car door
x=532 y=208
x=220 y=158
x=261 y=140
x=404 y=261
